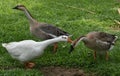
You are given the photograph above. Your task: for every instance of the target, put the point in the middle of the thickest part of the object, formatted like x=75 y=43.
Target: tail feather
x=116 y=37
x=4 y=44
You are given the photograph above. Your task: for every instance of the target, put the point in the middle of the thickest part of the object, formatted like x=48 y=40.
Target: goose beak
x=69 y=40
x=71 y=49
x=15 y=7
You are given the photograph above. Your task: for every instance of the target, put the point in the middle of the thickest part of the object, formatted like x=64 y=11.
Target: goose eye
x=64 y=37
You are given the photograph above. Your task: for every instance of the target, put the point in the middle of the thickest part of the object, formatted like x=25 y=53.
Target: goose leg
x=94 y=55
x=107 y=56
x=55 y=47
x=29 y=65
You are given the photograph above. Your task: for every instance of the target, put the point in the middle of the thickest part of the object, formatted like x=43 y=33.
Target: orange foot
x=29 y=65
x=107 y=56
x=94 y=55
x=55 y=47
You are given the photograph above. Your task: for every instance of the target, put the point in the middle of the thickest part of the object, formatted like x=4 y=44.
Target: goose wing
x=102 y=45
x=106 y=37
x=52 y=30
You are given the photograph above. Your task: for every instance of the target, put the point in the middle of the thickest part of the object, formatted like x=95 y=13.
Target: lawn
x=78 y=17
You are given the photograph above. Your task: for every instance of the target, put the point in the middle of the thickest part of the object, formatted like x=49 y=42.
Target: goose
x=43 y=31
x=98 y=41
x=26 y=50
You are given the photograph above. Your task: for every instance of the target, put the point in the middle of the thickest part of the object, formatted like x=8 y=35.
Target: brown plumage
x=97 y=41
x=43 y=31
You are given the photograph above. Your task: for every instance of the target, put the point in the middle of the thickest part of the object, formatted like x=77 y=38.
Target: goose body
x=43 y=31
x=26 y=50
x=97 y=41
x=46 y=31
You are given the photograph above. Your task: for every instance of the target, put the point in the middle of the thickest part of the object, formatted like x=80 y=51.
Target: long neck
x=81 y=38
x=29 y=16
x=49 y=41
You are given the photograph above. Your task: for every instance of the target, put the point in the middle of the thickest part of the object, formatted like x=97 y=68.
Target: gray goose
x=41 y=30
x=97 y=41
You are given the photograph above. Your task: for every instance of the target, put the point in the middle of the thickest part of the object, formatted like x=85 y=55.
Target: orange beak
x=69 y=40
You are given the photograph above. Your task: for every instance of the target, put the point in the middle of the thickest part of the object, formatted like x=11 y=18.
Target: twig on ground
x=77 y=8
x=81 y=9
x=119 y=10
x=116 y=21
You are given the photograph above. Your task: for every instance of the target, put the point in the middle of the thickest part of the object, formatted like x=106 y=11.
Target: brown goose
x=97 y=41
x=41 y=30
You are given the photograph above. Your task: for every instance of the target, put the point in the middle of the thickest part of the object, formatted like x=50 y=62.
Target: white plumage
x=26 y=50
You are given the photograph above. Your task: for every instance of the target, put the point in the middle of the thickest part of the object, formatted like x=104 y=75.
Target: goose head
x=75 y=42
x=20 y=7
x=65 y=38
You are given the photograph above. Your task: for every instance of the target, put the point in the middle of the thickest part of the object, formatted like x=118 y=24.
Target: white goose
x=26 y=50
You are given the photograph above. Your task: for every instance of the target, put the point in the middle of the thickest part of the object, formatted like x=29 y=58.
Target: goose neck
x=29 y=16
x=49 y=41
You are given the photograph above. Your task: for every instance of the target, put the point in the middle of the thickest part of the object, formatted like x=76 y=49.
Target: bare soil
x=60 y=71
x=57 y=71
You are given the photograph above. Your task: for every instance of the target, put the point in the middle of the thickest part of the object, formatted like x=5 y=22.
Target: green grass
x=77 y=21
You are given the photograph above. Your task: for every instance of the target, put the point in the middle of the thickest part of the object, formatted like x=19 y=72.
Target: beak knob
x=71 y=49
x=69 y=40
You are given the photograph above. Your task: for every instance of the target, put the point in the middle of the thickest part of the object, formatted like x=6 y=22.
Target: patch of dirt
x=60 y=71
